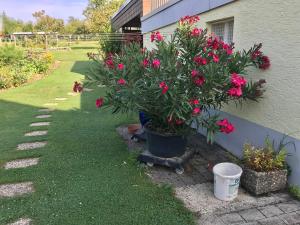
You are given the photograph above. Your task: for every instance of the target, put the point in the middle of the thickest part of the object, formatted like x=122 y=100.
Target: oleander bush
x=17 y=66
x=181 y=80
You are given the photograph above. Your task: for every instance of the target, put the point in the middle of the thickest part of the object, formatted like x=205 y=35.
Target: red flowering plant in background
x=182 y=80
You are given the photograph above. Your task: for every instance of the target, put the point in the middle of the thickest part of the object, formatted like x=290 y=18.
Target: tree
x=47 y=23
x=11 y=25
x=75 y=26
x=98 y=14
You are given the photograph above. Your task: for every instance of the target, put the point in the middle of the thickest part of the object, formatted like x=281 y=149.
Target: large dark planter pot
x=166 y=146
x=259 y=183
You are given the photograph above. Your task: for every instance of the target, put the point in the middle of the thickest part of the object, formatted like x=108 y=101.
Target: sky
x=23 y=9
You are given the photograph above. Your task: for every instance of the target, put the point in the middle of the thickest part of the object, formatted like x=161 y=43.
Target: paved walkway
x=195 y=189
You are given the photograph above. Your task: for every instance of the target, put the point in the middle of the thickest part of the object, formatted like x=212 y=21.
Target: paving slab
x=31 y=145
x=60 y=99
x=21 y=163
x=17 y=189
x=271 y=221
x=44 y=116
x=72 y=93
x=40 y=124
x=51 y=104
x=22 y=221
x=36 y=133
x=251 y=214
x=271 y=210
x=290 y=206
x=232 y=218
x=88 y=89
x=46 y=110
x=291 y=218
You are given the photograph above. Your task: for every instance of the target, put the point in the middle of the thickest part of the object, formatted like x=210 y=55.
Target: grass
x=85 y=175
x=295 y=191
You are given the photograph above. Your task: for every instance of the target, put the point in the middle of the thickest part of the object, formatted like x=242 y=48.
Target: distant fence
x=46 y=41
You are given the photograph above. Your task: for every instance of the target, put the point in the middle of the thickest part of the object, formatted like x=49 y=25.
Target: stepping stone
x=46 y=110
x=21 y=163
x=43 y=116
x=36 y=133
x=60 y=99
x=17 y=189
x=50 y=104
x=22 y=221
x=87 y=89
x=72 y=93
x=39 y=124
x=31 y=145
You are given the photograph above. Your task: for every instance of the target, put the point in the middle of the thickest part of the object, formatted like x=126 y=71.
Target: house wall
x=275 y=23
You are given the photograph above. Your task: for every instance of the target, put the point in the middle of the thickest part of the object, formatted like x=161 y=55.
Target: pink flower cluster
x=164 y=87
x=197 y=78
x=225 y=126
x=156 y=63
x=237 y=82
x=190 y=20
x=121 y=81
x=156 y=36
x=196 y=32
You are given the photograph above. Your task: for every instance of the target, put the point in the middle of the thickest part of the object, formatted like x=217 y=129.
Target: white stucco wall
x=276 y=24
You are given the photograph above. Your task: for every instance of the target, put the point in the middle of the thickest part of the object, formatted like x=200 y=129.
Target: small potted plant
x=265 y=169
x=178 y=83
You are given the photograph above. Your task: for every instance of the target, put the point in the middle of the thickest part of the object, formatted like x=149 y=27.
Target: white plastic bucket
x=226 y=181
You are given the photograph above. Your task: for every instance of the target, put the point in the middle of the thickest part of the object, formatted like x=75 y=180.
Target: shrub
x=180 y=80
x=6 y=76
x=295 y=191
x=267 y=158
x=10 y=55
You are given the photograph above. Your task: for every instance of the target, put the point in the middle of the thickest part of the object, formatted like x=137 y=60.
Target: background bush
x=17 y=66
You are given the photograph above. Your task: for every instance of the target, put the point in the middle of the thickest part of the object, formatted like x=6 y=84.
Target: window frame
x=226 y=23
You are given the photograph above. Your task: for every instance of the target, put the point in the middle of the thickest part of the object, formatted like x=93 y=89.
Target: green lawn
x=85 y=175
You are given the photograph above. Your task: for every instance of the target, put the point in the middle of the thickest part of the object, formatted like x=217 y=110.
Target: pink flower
x=216 y=58
x=99 y=102
x=199 y=60
x=109 y=63
x=194 y=73
x=189 y=20
x=199 y=81
x=121 y=81
x=179 y=122
x=77 y=87
x=145 y=62
x=265 y=63
x=194 y=102
x=164 y=87
x=225 y=126
x=156 y=63
x=235 y=92
x=196 y=32
x=237 y=80
x=120 y=66
x=196 y=111
x=156 y=36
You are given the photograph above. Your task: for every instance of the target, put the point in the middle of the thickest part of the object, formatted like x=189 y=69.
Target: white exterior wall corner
x=275 y=23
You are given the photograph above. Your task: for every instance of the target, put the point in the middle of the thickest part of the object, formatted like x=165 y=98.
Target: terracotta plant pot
x=259 y=183
x=133 y=128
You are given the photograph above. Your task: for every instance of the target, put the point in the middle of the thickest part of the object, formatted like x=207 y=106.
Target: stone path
x=21 y=163
x=19 y=189
x=22 y=221
x=44 y=116
x=36 y=133
x=31 y=145
x=14 y=190
x=195 y=189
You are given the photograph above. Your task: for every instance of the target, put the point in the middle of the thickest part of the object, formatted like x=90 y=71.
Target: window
x=223 y=30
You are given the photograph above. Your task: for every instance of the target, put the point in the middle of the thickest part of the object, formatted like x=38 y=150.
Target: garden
x=18 y=66
x=133 y=140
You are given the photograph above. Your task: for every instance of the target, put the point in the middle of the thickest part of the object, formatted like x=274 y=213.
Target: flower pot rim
x=162 y=134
